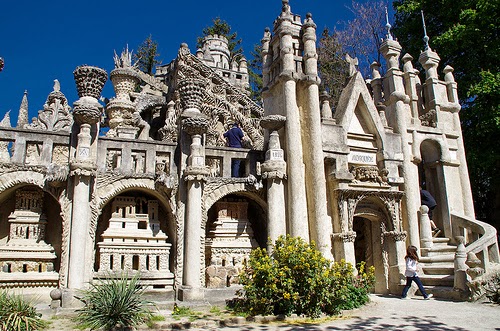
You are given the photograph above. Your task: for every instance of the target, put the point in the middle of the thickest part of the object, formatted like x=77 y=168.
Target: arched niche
x=136 y=233
x=371 y=221
x=236 y=224
x=431 y=177
x=30 y=235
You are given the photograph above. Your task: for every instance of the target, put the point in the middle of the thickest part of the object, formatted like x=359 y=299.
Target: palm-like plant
x=114 y=303
x=18 y=314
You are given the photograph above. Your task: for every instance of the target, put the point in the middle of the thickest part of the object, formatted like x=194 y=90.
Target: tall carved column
x=297 y=202
x=319 y=221
x=398 y=106
x=87 y=112
x=195 y=125
x=274 y=170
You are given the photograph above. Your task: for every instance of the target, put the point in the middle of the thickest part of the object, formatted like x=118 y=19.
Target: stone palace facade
x=142 y=182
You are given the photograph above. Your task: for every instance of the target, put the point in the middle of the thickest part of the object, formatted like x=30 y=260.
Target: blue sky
x=46 y=40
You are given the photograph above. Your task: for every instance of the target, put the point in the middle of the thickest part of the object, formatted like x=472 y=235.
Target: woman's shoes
x=428 y=297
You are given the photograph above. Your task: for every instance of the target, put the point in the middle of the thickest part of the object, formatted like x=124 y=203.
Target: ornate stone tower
x=291 y=90
x=215 y=54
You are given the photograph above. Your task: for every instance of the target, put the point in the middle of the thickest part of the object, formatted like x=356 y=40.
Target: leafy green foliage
x=465 y=36
x=298 y=279
x=255 y=74
x=114 y=302
x=18 y=314
x=147 y=55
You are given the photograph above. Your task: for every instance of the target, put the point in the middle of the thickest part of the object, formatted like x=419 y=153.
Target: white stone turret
x=291 y=90
x=215 y=53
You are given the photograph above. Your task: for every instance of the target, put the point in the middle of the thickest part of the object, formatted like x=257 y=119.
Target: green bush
x=114 y=303
x=298 y=279
x=18 y=314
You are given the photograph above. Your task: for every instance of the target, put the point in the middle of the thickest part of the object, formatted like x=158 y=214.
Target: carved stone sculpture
x=55 y=115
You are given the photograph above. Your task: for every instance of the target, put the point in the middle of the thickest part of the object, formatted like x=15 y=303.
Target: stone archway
x=135 y=232
x=370 y=220
x=235 y=226
x=431 y=178
x=30 y=237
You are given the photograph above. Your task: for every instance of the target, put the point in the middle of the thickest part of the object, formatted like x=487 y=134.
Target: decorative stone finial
x=22 y=118
x=5 y=123
x=191 y=91
x=90 y=81
x=353 y=62
x=426 y=37
x=89 y=84
x=2 y=63
x=388 y=25
x=124 y=60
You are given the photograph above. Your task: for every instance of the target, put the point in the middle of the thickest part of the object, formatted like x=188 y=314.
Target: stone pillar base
x=68 y=299
x=188 y=293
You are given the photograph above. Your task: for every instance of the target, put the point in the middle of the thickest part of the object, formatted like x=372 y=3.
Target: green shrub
x=18 y=314
x=114 y=303
x=298 y=279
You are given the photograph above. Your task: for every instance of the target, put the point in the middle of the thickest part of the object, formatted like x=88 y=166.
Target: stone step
x=437 y=280
x=446 y=292
x=440 y=240
x=439 y=250
x=437 y=258
x=438 y=269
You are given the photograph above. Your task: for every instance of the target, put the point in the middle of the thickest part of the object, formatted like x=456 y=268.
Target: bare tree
x=362 y=36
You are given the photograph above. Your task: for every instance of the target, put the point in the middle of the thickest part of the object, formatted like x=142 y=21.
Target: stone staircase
x=437 y=264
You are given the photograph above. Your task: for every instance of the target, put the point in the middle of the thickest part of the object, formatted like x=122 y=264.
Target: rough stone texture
x=348 y=180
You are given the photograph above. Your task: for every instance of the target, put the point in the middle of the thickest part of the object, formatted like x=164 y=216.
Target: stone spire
x=388 y=26
x=5 y=123
x=426 y=37
x=22 y=118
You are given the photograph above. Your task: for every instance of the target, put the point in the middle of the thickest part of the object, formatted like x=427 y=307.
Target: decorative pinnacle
x=388 y=26
x=426 y=37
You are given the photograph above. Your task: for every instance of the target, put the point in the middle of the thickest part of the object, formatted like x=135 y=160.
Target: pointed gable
x=357 y=114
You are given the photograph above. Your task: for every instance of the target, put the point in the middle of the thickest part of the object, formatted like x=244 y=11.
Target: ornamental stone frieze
x=369 y=174
x=85 y=168
x=395 y=235
x=195 y=125
x=345 y=237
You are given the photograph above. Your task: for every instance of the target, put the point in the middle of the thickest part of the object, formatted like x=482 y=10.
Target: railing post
x=425 y=230
x=460 y=280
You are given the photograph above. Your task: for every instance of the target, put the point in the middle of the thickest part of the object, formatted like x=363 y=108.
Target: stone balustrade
x=479 y=238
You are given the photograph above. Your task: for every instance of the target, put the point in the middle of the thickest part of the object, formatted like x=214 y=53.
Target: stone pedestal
x=274 y=170
x=425 y=230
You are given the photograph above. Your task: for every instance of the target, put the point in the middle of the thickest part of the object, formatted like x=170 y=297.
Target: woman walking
x=411 y=259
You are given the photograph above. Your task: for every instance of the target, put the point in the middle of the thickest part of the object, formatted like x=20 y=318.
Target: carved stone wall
x=229 y=241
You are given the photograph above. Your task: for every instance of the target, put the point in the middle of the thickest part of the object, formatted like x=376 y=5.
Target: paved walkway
x=392 y=313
